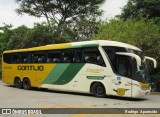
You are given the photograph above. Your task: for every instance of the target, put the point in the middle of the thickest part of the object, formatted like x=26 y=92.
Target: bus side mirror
x=138 y=59
x=151 y=59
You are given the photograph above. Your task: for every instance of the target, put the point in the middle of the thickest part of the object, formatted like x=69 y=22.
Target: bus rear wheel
x=18 y=83
x=26 y=84
x=98 y=90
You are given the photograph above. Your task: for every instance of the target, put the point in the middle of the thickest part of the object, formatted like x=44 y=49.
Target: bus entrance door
x=121 y=84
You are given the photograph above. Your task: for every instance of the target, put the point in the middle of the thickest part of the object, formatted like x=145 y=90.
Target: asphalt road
x=11 y=97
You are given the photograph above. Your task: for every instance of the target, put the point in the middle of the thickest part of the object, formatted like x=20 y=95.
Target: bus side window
x=7 y=58
x=38 y=57
x=15 y=58
x=77 y=56
x=24 y=57
x=53 y=56
x=110 y=51
x=92 y=55
x=67 y=56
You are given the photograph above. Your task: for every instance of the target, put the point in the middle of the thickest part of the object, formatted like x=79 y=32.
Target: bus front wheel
x=98 y=90
x=18 y=83
x=26 y=83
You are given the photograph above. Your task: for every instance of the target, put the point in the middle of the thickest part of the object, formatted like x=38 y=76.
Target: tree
x=61 y=11
x=5 y=35
x=86 y=28
x=13 y=38
x=40 y=35
x=141 y=8
x=24 y=37
x=82 y=29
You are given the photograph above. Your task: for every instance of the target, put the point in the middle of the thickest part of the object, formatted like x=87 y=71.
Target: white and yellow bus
x=99 y=67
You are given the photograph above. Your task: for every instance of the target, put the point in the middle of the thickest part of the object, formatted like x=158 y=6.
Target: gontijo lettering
x=30 y=68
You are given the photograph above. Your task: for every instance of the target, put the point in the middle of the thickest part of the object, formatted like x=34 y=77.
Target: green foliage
x=68 y=20
x=146 y=14
x=12 y=39
x=43 y=34
x=143 y=34
x=40 y=35
x=141 y=8
x=83 y=29
x=61 y=11
x=5 y=36
x=23 y=37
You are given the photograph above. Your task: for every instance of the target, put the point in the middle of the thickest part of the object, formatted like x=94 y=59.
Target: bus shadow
x=60 y=92
x=45 y=90
x=81 y=94
x=126 y=98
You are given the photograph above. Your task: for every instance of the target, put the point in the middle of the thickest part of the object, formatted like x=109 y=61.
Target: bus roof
x=107 y=43
x=77 y=45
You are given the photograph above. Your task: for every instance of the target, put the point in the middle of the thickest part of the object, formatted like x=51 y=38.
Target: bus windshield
x=139 y=73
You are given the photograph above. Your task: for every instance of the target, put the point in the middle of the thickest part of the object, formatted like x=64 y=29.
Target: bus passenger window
x=15 y=58
x=67 y=56
x=7 y=58
x=53 y=56
x=92 y=55
x=77 y=56
x=38 y=57
x=24 y=58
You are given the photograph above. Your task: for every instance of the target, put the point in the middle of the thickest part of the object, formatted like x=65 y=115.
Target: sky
x=9 y=16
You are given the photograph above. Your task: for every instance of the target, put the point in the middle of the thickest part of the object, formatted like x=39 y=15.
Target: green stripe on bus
x=63 y=73
x=90 y=45
x=55 y=74
x=69 y=73
x=95 y=77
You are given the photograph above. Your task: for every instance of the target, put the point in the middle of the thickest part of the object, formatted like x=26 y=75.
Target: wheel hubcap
x=18 y=83
x=100 y=90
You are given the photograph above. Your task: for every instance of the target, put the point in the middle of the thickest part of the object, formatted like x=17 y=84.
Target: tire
x=98 y=90
x=18 y=83
x=26 y=84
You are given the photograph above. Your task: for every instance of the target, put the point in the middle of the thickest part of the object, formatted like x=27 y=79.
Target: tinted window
x=24 y=57
x=77 y=56
x=68 y=55
x=53 y=57
x=92 y=55
x=38 y=57
x=15 y=58
x=124 y=67
x=7 y=58
x=111 y=53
